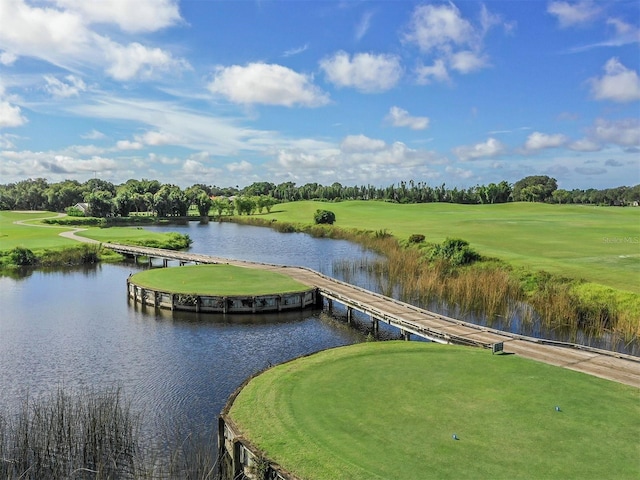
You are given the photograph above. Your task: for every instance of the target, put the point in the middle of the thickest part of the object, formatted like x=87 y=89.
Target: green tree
x=324 y=216
x=535 y=188
x=100 y=203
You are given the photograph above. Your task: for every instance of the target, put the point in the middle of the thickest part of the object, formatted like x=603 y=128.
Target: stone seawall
x=148 y=297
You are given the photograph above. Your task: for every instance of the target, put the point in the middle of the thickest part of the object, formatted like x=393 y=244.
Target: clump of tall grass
x=91 y=435
x=67 y=436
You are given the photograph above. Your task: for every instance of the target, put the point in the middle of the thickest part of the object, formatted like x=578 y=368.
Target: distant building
x=83 y=207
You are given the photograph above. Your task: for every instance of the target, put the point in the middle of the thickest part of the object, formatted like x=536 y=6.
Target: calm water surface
x=75 y=329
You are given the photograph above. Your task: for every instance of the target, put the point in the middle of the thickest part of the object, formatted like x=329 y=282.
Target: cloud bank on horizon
x=229 y=93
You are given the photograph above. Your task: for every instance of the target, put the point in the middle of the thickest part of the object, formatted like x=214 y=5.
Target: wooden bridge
x=412 y=320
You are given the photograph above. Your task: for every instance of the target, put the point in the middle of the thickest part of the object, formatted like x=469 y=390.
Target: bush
x=416 y=238
x=456 y=251
x=74 y=212
x=324 y=216
x=22 y=256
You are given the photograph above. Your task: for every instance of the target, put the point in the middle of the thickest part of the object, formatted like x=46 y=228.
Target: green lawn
x=598 y=244
x=39 y=236
x=217 y=280
x=32 y=237
x=388 y=410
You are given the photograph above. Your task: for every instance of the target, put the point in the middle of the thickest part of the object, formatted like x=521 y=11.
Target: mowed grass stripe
x=388 y=410
x=598 y=244
x=217 y=280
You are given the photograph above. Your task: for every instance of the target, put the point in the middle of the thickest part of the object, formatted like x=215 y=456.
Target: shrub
x=22 y=256
x=324 y=216
x=416 y=238
x=456 y=251
x=74 y=212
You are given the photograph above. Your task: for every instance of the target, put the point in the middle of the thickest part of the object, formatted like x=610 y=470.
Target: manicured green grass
x=38 y=236
x=598 y=244
x=388 y=410
x=32 y=237
x=217 y=280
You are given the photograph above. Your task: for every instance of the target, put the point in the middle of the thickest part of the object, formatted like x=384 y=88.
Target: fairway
x=598 y=244
x=37 y=236
x=217 y=280
x=13 y=235
x=389 y=410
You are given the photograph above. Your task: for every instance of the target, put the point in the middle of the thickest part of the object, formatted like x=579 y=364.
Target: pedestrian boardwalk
x=412 y=320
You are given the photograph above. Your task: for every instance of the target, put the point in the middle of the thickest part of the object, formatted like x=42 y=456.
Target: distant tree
x=561 y=196
x=100 y=203
x=245 y=205
x=535 y=188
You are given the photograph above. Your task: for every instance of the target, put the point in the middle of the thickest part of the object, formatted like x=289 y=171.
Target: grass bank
x=217 y=280
x=387 y=410
x=45 y=247
x=563 y=260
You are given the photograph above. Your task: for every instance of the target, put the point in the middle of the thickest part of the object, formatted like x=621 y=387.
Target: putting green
x=389 y=410
x=220 y=280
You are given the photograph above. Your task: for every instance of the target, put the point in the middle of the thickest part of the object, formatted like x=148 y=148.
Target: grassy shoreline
x=492 y=286
x=25 y=241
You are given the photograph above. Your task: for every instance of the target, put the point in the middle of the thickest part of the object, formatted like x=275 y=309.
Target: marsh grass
x=489 y=288
x=95 y=435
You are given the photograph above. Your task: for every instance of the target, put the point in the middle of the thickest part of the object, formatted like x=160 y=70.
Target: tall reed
x=94 y=435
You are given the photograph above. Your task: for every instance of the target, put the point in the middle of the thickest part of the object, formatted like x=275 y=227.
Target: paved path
x=600 y=363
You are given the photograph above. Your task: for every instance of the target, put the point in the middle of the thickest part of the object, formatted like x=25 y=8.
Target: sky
x=229 y=93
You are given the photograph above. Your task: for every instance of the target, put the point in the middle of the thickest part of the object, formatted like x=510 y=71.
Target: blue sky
x=357 y=92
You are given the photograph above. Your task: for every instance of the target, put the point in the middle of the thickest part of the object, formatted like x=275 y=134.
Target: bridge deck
x=601 y=363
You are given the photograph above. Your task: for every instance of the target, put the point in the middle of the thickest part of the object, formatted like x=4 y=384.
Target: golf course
x=597 y=244
x=390 y=410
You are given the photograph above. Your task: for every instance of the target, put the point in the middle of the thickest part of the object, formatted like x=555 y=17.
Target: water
x=75 y=329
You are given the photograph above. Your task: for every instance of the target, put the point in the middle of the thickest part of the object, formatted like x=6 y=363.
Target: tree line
x=106 y=199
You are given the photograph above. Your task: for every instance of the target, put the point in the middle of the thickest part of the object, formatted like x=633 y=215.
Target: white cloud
x=437 y=71
x=10 y=115
x=239 y=167
x=296 y=51
x=539 y=141
x=401 y=118
x=157 y=138
x=458 y=172
x=452 y=41
x=618 y=84
x=60 y=89
x=624 y=132
x=137 y=61
x=7 y=58
x=488 y=149
x=585 y=145
x=128 y=145
x=570 y=14
x=63 y=38
x=366 y=72
x=468 y=61
x=141 y=16
x=268 y=84
x=439 y=27
x=363 y=26
x=93 y=135
x=361 y=143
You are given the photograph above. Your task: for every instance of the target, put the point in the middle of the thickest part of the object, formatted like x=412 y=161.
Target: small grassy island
x=217 y=280
x=219 y=288
x=391 y=409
